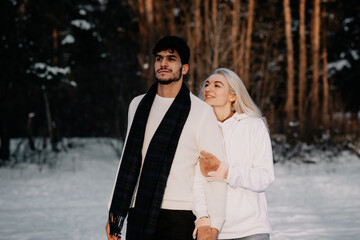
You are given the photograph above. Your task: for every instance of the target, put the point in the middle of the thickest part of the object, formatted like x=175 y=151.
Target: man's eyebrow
x=170 y=55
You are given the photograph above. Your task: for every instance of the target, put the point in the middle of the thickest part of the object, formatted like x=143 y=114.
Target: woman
x=249 y=170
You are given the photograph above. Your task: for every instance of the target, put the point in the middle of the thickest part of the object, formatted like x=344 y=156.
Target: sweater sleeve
x=261 y=174
x=210 y=140
x=200 y=206
x=131 y=112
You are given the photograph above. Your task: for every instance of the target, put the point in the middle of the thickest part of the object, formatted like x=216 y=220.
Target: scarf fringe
x=116 y=223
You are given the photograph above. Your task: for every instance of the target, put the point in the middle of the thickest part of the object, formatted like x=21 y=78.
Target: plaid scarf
x=156 y=168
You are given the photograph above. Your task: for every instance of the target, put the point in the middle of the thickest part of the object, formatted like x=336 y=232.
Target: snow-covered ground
x=68 y=200
x=316 y=201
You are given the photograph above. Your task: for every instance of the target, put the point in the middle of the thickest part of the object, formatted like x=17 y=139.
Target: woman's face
x=217 y=92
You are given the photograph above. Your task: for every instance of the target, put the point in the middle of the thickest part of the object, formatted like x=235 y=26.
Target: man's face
x=168 y=67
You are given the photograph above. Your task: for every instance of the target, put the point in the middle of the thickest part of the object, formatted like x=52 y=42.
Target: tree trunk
x=172 y=25
x=5 y=144
x=22 y=8
x=22 y=13
x=248 y=42
x=354 y=123
x=142 y=23
x=149 y=12
x=289 y=106
x=52 y=135
x=198 y=49
x=264 y=66
x=30 y=131
x=191 y=44
x=159 y=18
x=48 y=117
x=272 y=117
x=144 y=42
x=215 y=35
x=315 y=46
x=325 y=107
x=207 y=48
x=149 y=60
x=55 y=35
x=234 y=33
x=302 y=67
x=242 y=51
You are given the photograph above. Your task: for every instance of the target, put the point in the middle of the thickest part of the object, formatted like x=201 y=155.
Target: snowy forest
x=69 y=70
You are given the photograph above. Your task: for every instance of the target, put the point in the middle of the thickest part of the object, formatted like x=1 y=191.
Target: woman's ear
x=232 y=98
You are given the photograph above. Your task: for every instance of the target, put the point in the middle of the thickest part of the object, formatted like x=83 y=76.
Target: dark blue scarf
x=155 y=172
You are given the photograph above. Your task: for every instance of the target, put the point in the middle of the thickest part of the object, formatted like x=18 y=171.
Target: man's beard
x=170 y=80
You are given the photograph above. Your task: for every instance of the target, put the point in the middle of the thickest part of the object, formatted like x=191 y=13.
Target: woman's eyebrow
x=219 y=82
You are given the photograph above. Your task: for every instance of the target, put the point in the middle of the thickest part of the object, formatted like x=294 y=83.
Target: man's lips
x=163 y=71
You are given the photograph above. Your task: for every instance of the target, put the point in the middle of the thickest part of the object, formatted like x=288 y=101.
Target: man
x=167 y=129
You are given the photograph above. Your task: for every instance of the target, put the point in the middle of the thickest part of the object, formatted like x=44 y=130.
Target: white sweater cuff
x=217 y=223
x=200 y=214
x=230 y=173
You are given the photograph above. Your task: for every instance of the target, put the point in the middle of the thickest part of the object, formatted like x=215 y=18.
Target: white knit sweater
x=249 y=155
x=200 y=132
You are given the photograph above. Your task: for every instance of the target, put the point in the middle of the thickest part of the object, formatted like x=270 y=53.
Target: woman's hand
x=208 y=163
x=213 y=168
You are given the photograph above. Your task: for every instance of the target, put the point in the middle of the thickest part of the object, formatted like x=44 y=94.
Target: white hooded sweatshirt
x=249 y=155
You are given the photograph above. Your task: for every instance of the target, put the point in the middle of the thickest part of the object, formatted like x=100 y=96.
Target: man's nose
x=164 y=62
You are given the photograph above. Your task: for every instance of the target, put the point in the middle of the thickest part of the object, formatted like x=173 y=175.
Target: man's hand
x=110 y=237
x=204 y=233
x=208 y=163
x=214 y=233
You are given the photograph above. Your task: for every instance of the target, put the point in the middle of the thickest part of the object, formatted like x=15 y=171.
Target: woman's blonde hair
x=243 y=102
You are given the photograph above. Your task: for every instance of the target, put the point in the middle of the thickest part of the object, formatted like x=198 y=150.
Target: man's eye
x=157 y=59
x=171 y=59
